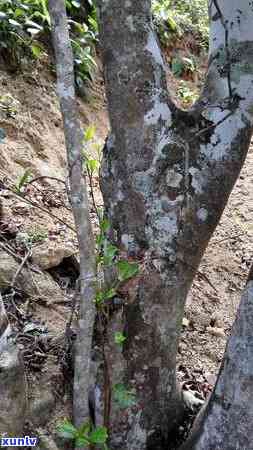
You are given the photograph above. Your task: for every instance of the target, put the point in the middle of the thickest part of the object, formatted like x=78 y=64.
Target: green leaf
x=110 y=293
x=18 y=12
x=91 y=165
x=171 y=22
x=33 y=24
x=66 y=430
x=110 y=252
x=177 y=67
x=119 y=338
x=81 y=441
x=98 y=436
x=104 y=225
x=99 y=298
x=33 y=31
x=89 y=133
x=102 y=296
x=14 y=23
x=75 y=4
x=126 y=270
x=36 y=50
x=23 y=180
x=84 y=429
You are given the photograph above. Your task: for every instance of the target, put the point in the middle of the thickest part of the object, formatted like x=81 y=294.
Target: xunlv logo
x=26 y=441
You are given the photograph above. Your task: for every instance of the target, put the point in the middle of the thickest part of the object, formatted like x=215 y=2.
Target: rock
x=192 y=401
x=13 y=395
x=50 y=255
x=21 y=208
x=219 y=332
x=12 y=392
x=39 y=285
x=185 y=322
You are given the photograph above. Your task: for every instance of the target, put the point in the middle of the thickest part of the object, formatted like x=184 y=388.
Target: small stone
x=185 y=322
x=47 y=255
x=21 y=208
x=215 y=331
x=182 y=347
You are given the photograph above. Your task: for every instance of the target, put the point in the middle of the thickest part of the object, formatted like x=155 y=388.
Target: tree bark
x=226 y=422
x=166 y=177
x=80 y=206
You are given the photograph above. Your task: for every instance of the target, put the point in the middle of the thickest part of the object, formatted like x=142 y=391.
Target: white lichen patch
x=173 y=179
x=160 y=110
x=198 y=181
x=202 y=214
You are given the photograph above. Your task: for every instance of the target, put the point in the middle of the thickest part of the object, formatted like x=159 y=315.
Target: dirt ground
x=34 y=138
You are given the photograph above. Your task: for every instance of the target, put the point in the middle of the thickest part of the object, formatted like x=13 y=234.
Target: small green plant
x=22 y=180
x=184 y=65
x=37 y=235
x=84 y=435
x=119 y=338
x=9 y=105
x=185 y=94
x=32 y=236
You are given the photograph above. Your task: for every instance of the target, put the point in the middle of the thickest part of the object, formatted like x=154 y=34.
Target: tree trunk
x=166 y=177
x=226 y=422
x=80 y=205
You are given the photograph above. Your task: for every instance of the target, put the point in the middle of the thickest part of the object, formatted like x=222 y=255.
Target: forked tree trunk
x=166 y=177
x=226 y=422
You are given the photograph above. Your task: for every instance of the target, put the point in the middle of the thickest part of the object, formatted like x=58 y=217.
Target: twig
x=228 y=238
x=8 y=250
x=34 y=180
x=19 y=269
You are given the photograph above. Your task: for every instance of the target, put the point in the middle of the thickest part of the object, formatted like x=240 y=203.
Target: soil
x=34 y=139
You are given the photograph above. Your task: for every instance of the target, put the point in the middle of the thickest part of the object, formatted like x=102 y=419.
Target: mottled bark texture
x=80 y=206
x=166 y=177
x=227 y=421
x=13 y=392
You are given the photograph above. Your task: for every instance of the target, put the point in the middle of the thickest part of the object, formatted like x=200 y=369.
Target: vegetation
x=178 y=17
x=24 y=25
